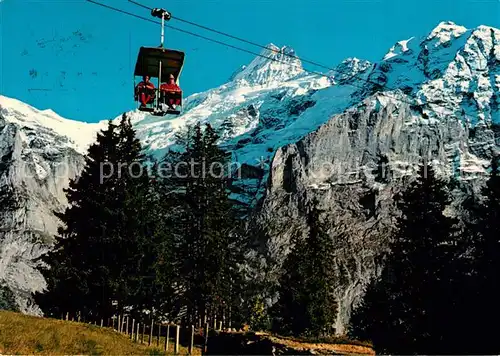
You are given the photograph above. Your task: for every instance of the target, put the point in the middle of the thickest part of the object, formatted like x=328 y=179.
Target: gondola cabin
x=164 y=97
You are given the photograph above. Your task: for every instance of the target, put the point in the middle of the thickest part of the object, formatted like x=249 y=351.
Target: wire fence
x=166 y=336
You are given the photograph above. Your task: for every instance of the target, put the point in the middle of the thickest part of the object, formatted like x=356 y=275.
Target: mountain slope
x=356 y=162
x=433 y=95
x=39 y=152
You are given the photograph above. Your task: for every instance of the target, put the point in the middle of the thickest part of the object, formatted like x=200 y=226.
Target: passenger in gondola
x=145 y=91
x=170 y=92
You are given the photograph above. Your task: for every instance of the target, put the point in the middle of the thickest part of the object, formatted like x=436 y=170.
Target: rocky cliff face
x=36 y=163
x=355 y=163
x=351 y=137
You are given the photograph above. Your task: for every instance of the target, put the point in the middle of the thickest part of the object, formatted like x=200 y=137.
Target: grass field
x=22 y=334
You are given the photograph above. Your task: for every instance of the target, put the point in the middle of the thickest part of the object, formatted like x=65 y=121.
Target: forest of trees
x=138 y=237
x=174 y=244
x=437 y=293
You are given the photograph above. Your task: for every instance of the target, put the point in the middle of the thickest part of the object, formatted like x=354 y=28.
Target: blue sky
x=77 y=58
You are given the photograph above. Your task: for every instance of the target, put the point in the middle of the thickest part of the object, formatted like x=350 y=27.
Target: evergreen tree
x=484 y=229
x=223 y=248
x=207 y=242
x=8 y=199
x=382 y=172
x=81 y=252
x=306 y=303
x=141 y=224
x=413 y=307
x=162 y=273
x=103 y=253
x=7 y=299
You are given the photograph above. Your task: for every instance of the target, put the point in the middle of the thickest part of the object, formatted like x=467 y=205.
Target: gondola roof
x=149 y=59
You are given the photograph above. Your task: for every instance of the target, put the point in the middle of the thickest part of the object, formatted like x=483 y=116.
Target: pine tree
x=7 y=299
x=224 y=244
x=8 y=199
x=306 y=303
x=484 y=231
x=82 y=246
x=161 y=264
x=141 y=225
x=413 y=306
x=102 y=253
x=207 y=243
x=382 y=172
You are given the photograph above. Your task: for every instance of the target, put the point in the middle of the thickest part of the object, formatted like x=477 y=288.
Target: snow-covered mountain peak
x=271 y=47
x=272 y=66
x=399 y=48
x=454 y=69
x=486 y=40
x=445 y=32
x=349 y=68
x=78 y=135
x=354 y=62
x=353 y=65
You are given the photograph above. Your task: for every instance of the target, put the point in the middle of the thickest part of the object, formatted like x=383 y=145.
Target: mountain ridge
x=437 y=95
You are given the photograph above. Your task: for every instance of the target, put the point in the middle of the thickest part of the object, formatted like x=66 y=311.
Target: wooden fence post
x=137 y=334
x=102 y=322
x=143 y=331
x=67 y=316
x=113 y=321
x=205 y=339
x=158 y=336
x=119 y=325
x=133 y=330
x=191 y=342
x=220 y=325
x=151 y=332
x=167 y=337
x=79 y=316
x=126 y=326
x=176 y=348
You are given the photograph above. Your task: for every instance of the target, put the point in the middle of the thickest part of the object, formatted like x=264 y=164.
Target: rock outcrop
x=36 y=164
x=354 y=165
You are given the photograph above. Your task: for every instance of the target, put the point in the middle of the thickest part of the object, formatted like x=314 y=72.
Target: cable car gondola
x=164 y=64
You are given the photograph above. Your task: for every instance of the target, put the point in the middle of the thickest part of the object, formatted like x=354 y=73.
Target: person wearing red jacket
x=145 y=91
x=170 y=92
